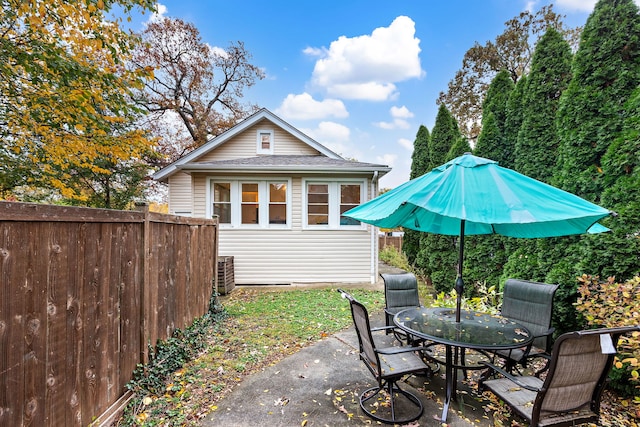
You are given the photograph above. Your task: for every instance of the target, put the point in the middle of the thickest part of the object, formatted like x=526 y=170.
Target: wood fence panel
x=59 y=283
x=35 y=328
x=131 y=288
x=82 y=292
x=12 y=320
x=74 y=327
x=395 y=241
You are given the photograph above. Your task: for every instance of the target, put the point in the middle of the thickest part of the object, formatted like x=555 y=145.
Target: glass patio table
x=478 y=331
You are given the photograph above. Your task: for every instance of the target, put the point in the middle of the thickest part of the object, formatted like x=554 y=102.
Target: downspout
x=374 y=242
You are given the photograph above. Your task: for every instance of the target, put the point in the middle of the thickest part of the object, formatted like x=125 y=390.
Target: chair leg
x=392 y=388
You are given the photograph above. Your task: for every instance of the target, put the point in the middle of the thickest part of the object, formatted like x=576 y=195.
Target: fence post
x=146 y=238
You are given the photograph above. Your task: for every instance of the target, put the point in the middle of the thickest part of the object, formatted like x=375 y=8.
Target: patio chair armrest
x=398 y=350
x=508 y=375
x=383 y=328
x=546 y=333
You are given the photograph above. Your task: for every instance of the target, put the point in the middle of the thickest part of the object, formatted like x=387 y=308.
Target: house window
x=318 y=204
x=251 y=204
x=277 y=203
x=264 y=142
x=327 y=201
x=222 y=201
x=349 y=198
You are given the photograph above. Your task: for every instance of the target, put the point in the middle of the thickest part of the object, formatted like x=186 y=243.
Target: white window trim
x=259 y=149
x=334 y=203
x=236 y=200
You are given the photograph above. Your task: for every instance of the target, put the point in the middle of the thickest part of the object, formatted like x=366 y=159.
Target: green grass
x=260 y=329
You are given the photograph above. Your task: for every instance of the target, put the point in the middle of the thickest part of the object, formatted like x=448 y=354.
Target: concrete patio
x=320 y=385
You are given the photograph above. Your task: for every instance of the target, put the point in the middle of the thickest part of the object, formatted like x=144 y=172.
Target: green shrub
x=391 y=256
x=487 y=299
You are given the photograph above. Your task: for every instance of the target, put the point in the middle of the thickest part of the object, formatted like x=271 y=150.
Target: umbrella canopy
x=489 y=198
x=471 y=195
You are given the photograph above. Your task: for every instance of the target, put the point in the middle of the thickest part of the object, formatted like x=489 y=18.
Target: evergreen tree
x=459 y=147
x=536 y=150
x=491 y=141
x=437 y=257
x=485 y=255
x=616 y=253
x=591 y=112
x=445 y=132
x=420 y=161
x=537 y=143
x=513 y=119
x=606 y=70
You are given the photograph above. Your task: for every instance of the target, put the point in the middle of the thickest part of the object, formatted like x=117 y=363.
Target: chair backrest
x=578 y=371
x=400 y=291
x=362 y=326
x=530 y=304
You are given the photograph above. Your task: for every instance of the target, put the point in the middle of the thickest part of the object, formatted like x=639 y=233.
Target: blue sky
x=359 y=77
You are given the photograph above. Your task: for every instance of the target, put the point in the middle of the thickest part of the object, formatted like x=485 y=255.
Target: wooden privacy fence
x=395 y=241
x=82 y=293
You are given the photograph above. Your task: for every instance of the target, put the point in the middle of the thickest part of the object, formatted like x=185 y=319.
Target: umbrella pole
x=459 y=282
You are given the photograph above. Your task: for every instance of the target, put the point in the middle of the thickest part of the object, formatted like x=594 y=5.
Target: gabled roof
x=237 y=129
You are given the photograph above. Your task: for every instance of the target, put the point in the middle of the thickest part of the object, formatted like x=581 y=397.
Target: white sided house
x=279 y=196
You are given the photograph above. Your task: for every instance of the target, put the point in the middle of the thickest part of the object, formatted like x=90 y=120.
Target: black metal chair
x=388 y=365
x=531 y=305
x=400 y=293
x=570 y=394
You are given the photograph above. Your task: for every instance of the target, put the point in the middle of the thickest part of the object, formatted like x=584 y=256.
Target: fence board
x=35 y=328
x=394 y=241
x=58 y=281
x=82 y=291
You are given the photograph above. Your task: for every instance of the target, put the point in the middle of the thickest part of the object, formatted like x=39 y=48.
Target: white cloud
x=387 y=159
x=399 y=114
x=406 y=143
x=159 y=13
x=366 y=67
x=579 y=5
x=314 y=51
x=395 y=124
x=371 y=91
x=304 y=107
x=332 y=135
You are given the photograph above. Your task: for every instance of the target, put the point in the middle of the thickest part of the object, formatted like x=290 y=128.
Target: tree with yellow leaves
x=66 y=116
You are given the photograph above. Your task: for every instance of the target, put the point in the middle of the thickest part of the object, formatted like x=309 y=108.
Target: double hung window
x=325 y=203
x=251 y=204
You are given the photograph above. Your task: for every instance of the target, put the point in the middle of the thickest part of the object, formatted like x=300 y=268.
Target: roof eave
x=382 y=170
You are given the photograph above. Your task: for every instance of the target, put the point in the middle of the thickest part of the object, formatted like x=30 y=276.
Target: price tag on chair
x=606 y=344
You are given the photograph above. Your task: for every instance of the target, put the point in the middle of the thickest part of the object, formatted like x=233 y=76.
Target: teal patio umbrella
x=471 y=195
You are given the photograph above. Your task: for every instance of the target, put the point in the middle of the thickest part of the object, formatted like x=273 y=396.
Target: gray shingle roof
x=281 y=162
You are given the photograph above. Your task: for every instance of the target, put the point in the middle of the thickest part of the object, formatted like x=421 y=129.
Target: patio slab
x=319 y=385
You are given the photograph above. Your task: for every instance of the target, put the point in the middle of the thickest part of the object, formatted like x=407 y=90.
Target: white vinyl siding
x=181 y=195
x=285 y=257
x=244 y=145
